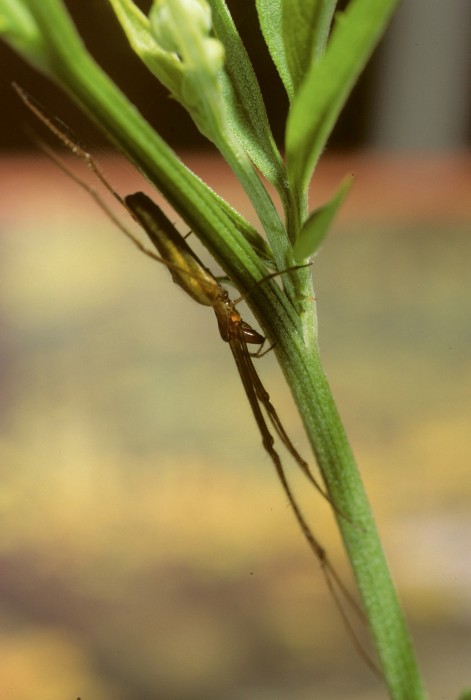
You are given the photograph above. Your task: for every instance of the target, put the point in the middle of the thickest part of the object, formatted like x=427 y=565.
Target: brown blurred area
x=146 y=550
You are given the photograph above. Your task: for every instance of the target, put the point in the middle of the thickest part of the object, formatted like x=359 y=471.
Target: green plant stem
x=70 y=65
x=323 y=425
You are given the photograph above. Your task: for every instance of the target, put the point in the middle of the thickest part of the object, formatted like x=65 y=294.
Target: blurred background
x=146 y=550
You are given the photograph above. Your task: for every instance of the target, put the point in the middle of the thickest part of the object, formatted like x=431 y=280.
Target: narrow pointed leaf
x=329 y=82
x=318 y=224
x=296 y=34
x=270 y=16
x=244 y=102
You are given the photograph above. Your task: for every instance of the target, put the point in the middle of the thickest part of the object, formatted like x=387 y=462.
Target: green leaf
x=296 y=34
x=328 y=83
x=318 y=223
x=245 y=108
x=306 y=25
x=271 y=24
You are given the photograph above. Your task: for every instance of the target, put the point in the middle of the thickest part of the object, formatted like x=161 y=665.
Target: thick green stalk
x=305 y=376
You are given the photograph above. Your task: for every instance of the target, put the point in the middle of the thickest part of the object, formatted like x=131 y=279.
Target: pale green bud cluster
x=182 y=27
x=163 y=25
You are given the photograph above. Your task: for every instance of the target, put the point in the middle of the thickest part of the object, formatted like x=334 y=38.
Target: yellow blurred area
x=47 y=665
x=146 y=548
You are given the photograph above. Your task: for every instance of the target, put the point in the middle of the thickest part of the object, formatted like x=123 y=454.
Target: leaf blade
x=318 y=224
x=329 y=82
x=295 y=32
x=244 y=102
